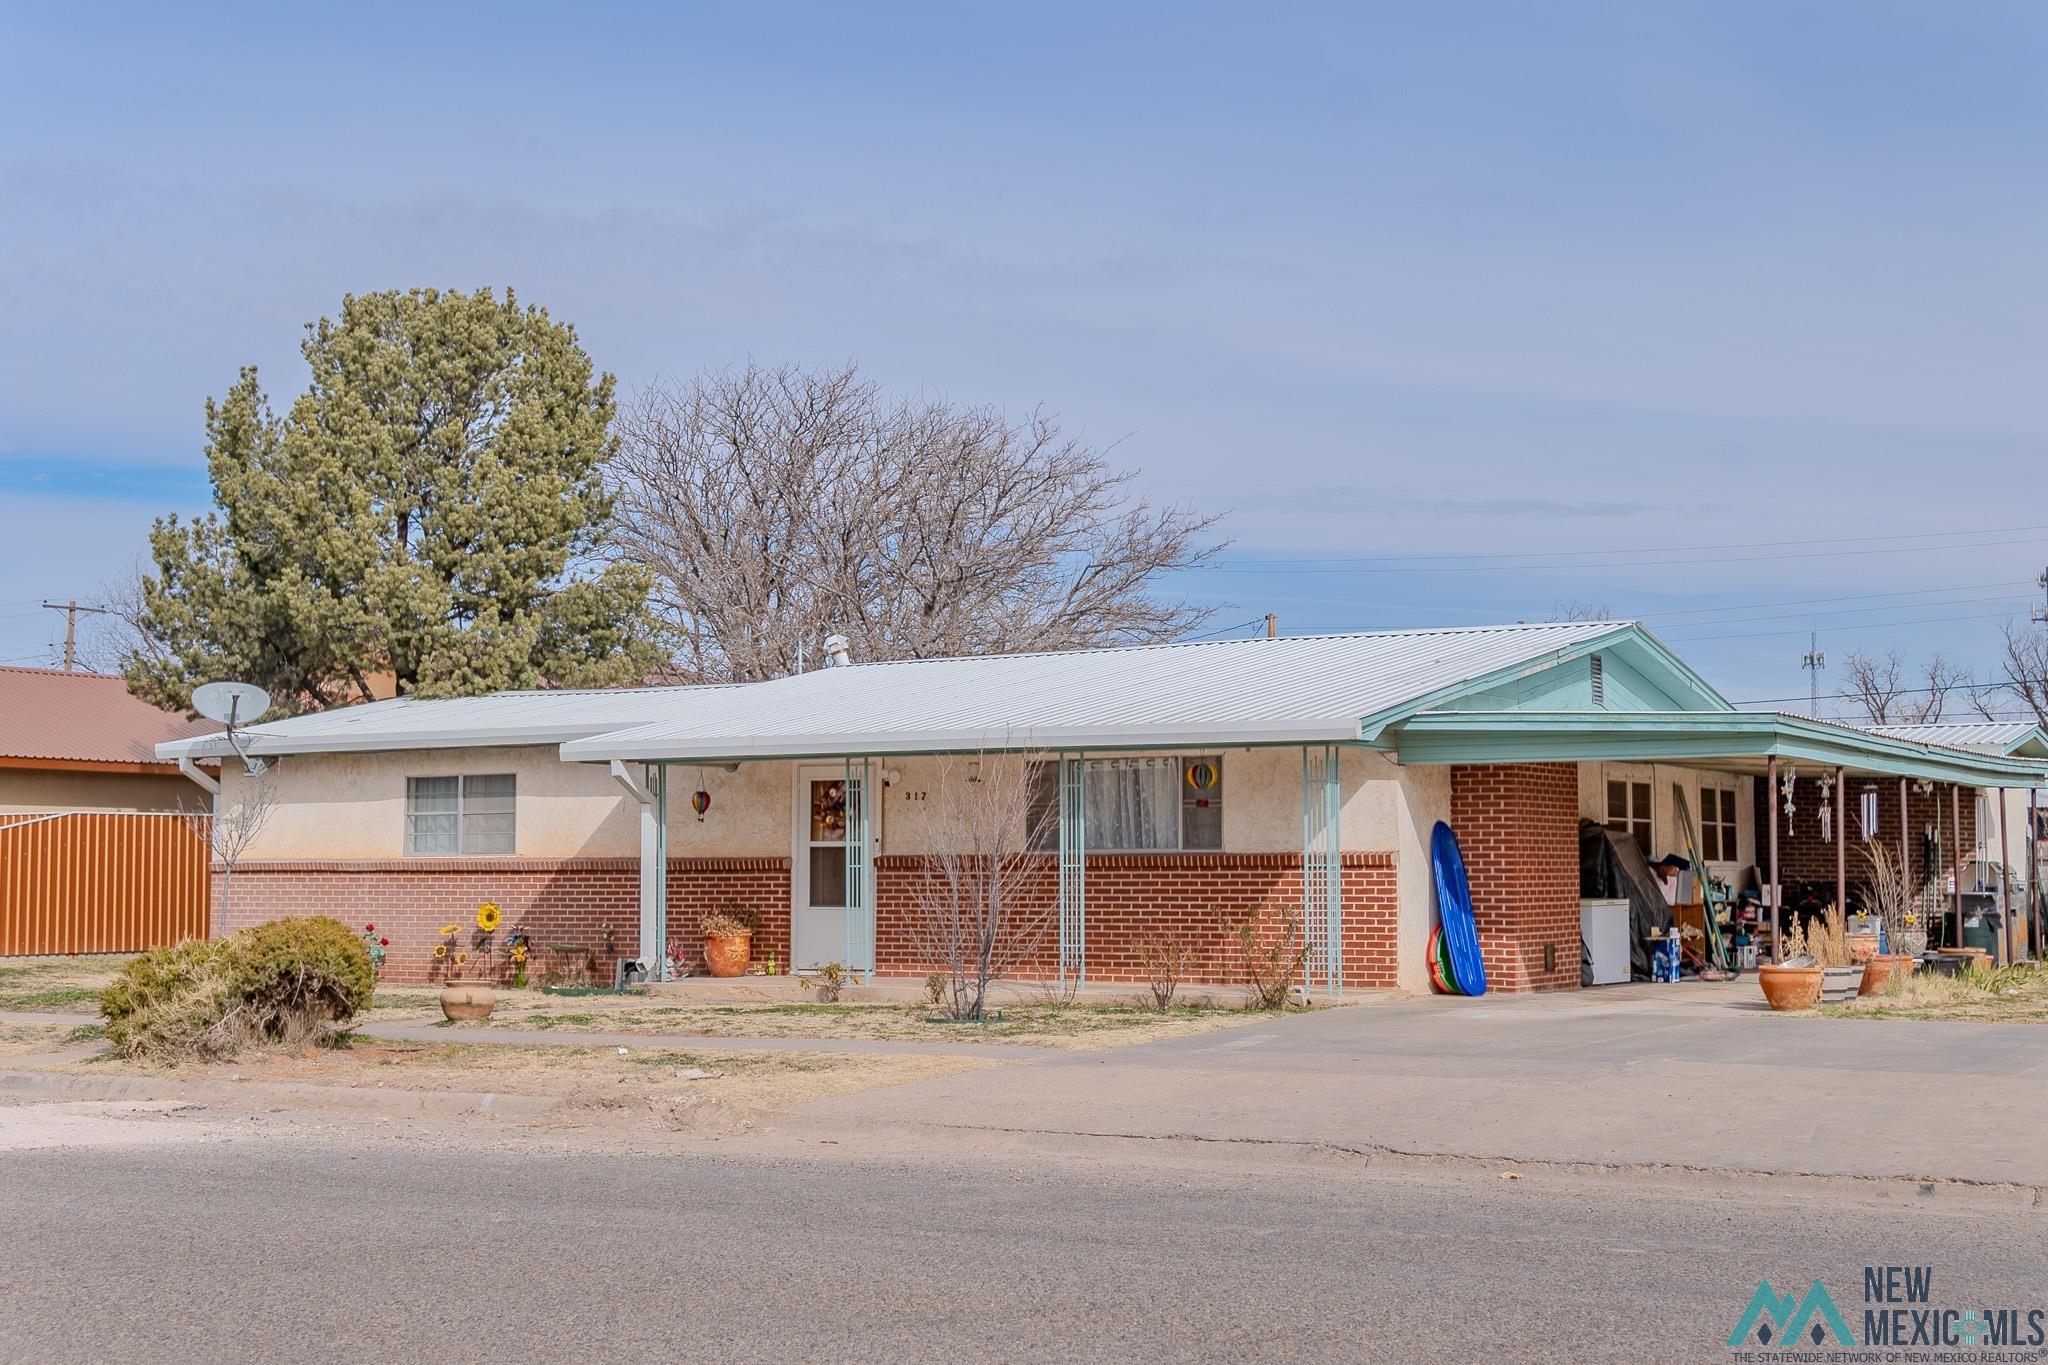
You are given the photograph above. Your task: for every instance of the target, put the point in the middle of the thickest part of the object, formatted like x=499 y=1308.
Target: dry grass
x=26 y=1040
x=63 y=985
x=1072 y=1027
x=2006 y=995
x=658 y=1080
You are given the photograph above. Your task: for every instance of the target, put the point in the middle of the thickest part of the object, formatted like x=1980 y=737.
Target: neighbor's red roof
x=46 y=713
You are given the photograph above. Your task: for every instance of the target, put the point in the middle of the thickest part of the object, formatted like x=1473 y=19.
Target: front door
x=818 y=915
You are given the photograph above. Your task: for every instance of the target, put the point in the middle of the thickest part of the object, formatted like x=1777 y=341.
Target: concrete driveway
x=1689 y=1075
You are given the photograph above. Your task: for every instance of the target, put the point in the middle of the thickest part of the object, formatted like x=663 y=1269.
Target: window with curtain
x=1140 y=804
x=452 y=815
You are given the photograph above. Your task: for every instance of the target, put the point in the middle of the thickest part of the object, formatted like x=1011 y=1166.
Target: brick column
x=1518 y=826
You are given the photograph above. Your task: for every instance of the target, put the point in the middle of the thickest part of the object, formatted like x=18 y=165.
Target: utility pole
x=71 y=610
x=2039 y=615
x=1813 y=661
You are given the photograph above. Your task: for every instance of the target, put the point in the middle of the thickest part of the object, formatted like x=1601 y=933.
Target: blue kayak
x=1454 y=909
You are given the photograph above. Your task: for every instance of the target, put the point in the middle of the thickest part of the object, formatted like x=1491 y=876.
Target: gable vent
x=1599 y=683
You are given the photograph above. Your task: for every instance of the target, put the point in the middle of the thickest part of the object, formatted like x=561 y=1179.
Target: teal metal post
x=1322 y=873
x=860 y=862
x=1073 y=870
x=657 y=783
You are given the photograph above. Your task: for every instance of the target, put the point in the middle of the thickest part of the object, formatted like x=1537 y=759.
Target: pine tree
x=431 y=507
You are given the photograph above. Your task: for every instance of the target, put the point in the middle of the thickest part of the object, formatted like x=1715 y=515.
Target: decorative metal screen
x=1322 y=880
x=1073 y=856
x=860 y=900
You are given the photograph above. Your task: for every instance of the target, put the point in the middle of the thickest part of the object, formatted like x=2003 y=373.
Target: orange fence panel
x=101 y=882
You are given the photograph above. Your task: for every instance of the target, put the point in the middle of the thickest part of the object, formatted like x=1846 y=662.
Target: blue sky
x=1725 y=314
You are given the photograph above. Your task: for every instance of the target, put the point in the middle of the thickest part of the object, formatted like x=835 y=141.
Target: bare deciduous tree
x=229 y=832
x=1886 y=694
x=775 y=507
x=1576 y=610
x=2022 y=672
x=973 y=912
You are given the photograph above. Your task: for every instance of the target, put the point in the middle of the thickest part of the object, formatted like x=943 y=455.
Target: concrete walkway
x=1690 y=1075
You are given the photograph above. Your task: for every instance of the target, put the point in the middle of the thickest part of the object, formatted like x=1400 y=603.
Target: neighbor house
x=1191 y=788
x=82 y=742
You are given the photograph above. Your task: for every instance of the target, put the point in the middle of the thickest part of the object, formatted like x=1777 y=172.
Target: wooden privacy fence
x=101 y=882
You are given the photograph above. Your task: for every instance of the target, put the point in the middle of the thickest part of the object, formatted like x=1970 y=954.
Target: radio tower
x=1813 y=661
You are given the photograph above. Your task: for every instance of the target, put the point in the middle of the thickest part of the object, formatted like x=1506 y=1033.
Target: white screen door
x=818 y=862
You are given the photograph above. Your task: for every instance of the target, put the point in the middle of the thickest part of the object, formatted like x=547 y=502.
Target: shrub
x=287 y=982
x=1164 y=963
x=1271 y=964
x=827 y=982
x=935 y=984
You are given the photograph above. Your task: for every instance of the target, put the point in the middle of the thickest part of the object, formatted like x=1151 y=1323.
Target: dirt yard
x=667 y=1086
x=1077 y=1027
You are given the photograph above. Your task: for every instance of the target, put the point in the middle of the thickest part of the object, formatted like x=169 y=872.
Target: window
x=446 y=815
x=1628 y=810
x=1717 y=825
x=1141 y=804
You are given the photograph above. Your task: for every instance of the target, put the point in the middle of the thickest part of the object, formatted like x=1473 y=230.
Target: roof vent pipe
x=837 y=652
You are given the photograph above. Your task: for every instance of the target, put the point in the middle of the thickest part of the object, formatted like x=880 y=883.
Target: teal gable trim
x=1638 y=674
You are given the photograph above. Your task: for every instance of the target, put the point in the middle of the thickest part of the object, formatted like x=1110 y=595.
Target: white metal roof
x=501 y=718
x=1302 y=688
x=1986 y=736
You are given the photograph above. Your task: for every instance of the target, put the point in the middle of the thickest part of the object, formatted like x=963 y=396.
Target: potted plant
x=1827 y=939
x=1894 y=901
x=1795 y=983
x=728 y=937
x=466 y=993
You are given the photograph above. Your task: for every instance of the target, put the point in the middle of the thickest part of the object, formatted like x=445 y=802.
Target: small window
x=1717 y=825
x=1628 y=810
x=450 y=815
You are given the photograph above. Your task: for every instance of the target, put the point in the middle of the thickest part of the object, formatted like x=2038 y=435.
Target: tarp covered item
x=1612 y=867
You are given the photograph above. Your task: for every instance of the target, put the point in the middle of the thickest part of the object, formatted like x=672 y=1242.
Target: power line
x=1838 y=611
x=1212 y=634
x=1719 y=559
x=1654 y=549
x=1861 y=625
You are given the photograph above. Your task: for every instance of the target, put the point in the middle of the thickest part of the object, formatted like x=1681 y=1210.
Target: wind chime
x=1785 y=789
x=1827 y=809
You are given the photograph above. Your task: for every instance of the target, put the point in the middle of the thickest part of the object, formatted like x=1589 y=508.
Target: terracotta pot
x=728 y=956
x=1790 y=988
x=463 y=1001
x=1877 y=971
x=1967 y=956
x=1862 y=947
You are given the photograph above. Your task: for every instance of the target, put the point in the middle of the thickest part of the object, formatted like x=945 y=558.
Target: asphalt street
x=194 y=1241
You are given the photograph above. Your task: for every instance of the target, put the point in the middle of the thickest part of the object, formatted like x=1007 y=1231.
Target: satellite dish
x=230 y=703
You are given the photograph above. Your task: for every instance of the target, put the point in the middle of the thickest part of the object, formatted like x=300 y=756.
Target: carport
x=1773 y=746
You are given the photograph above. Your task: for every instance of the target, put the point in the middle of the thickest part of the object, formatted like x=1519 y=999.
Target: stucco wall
x=352 y=806
x=36 y=790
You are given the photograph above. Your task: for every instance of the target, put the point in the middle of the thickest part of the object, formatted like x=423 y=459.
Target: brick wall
x=1518 y=827
x=1136 y=898
x=1132 y=898
x=1803 y=857
x=563 y=903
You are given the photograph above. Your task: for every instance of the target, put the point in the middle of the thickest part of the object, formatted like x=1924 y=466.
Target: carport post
x=1905 y=857
x=2005 y=881
x=2034 y=863
x=1771 y=809
x=1955 y=807
x=1842 y=842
